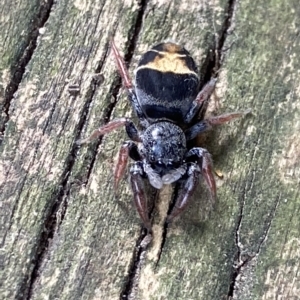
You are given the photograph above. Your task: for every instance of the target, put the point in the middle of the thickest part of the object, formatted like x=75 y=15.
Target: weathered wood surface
x=65 y=235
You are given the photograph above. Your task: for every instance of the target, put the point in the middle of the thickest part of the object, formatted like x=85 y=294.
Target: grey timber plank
x=263 y=71
x=67 y=234
x=19 y=21
x=38 y=154
x=247 y=248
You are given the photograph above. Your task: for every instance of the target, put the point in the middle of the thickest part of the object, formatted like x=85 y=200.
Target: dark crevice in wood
x=132 y=37
x=166 y=224
x=59 y=196
x=215 y=56
x=242 y=258
x=238 y=262
x=209 y=69
x=131 y=283
x=44 y=240
x=163 y=237
x=221 y=36
x=90 y=159
x=237 y=258
x=131 y=280
x=58 y=201
x=20 y=62
x=237 y=271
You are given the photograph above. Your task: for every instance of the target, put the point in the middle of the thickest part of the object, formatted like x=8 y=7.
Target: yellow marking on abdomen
x=168 y=62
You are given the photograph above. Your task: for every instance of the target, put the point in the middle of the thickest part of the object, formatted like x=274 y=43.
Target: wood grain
x=67 y=234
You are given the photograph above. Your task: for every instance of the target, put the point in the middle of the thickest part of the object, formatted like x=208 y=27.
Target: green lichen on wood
x=37 y=157
x=257 y=75
x=263 y=70
x=95 y=232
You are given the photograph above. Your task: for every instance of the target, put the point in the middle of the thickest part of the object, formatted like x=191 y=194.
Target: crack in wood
x=211 y=68
x=132 y=37
x=58 y=200
x=240 y=263
x=131 y=281
x=243 y=259
x=166 y=225
x=59 y=197
x=131 y=286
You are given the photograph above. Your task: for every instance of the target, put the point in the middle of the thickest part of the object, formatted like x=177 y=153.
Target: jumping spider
x=167 y=102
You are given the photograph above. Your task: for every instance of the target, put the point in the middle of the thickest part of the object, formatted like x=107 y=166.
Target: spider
x=167 y=102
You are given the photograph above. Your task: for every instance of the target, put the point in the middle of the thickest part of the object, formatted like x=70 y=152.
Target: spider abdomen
x=166 y=82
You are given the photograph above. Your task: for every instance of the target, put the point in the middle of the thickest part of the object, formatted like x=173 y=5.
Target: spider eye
x=170 y=163
x=159 y=162
x=152 y=158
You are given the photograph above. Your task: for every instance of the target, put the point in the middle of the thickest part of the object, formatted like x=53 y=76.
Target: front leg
x=202 y=97
x=186 y=191
x=209 y=123
x=139 y=195
x=131 y=130
x=199 y=162
x=123 y=71
x=202 y=157
x=128 y=149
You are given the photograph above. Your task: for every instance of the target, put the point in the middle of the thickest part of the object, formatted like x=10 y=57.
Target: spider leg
x=201 y=165
x=139 y=195
x=201 y=98
x=218 y=120
x=186 y=190
x=123 y=71
x=203 y=159
x=209 y=123
x=128 y=148
x=131 y=130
